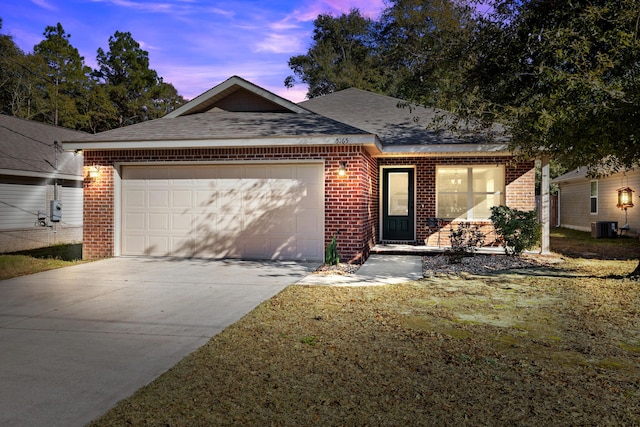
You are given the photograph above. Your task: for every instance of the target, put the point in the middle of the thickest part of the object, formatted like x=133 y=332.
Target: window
x=594 y=197
x=469 y=192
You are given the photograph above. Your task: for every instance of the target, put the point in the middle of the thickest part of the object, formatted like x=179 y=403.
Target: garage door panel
x=181 y=199
x=225 y=224
x=284 y=172
x=181 y=222
x=207 y=199
x=180 y=246
x=254 y=246
x=135 y=173
x=227 y=201
x=182 y=175
x=310 y=174
x=158 y=175
x=258 y=171
x=230 y=173
x=311 y=247
x=159 y=222
x=134 y=244
x=310 y=198
x=284 y=247
x=135 y=221
x=135 y=197
x=203 y=174
x=158 y=199
x=156 y=245
x=244 y=211
x=308 y=222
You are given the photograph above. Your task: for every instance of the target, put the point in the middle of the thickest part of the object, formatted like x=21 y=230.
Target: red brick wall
x=98 y=215
x=519 y=180
x=350 y=201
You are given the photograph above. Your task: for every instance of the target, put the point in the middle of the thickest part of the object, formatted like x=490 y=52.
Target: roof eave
x=448 y=150
x=348 y=139
x=46 y=175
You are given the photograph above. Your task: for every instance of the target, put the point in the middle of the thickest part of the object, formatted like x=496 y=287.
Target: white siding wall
x=71 y=198
x=19 y=205
x=575 y=205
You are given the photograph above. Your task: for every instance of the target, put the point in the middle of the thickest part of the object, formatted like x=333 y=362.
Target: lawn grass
x=36 y=260
x=504 y=349
x=580 y=244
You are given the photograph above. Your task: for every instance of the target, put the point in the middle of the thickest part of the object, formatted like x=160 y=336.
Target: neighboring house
x=241 y=172
x=30 y=181
x=584 y=201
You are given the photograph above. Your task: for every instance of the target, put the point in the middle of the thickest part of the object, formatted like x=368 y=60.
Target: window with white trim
x=469 y=192
x=593 y=202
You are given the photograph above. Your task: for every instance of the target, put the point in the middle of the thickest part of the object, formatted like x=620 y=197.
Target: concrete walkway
x=75 y=341
x=377 y=270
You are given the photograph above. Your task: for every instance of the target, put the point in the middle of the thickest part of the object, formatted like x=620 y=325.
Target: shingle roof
x=228 y=125
x=27 y=146
x=394 y=125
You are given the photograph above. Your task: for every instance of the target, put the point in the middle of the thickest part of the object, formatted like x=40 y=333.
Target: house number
x=342 y=140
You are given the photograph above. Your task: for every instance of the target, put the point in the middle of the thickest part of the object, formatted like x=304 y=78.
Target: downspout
x=558 y=207
x=545 y=205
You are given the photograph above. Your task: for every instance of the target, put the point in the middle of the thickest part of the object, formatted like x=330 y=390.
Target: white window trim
x=469 y=214
x=591 y=197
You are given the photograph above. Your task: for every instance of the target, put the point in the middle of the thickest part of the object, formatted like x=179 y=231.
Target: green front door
x=397 y=204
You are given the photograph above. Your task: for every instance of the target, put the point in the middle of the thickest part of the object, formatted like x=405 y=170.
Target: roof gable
x=237 y=95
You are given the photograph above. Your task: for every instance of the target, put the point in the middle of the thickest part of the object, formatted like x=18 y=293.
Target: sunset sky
x=193 y=44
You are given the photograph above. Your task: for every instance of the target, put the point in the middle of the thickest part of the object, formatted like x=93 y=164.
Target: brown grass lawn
x=37 y=260
x=558 y=346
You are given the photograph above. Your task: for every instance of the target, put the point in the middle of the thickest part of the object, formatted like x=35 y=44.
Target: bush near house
x=519 y=230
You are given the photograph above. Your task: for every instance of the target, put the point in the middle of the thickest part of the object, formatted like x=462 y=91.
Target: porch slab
x=407 y=249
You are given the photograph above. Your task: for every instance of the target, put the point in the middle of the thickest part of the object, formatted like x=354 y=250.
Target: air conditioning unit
x=601 y=229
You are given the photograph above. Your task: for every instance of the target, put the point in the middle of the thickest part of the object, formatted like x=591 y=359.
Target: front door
x=397 y=204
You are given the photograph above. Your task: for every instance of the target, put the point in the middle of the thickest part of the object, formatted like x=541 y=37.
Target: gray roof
x=394 y=124
x=228 y=125
x=27 y=149
x=238 y=113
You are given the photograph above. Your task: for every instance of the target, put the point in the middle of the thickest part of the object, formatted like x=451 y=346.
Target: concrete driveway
x=75 y=341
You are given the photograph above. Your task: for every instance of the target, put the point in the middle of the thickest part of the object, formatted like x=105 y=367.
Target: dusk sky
x=193 y=44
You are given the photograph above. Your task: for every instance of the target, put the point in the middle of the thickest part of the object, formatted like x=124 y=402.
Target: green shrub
x=331 y=253
x=519 y=230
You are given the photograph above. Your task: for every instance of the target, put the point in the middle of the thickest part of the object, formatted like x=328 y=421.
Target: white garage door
x=261 y=211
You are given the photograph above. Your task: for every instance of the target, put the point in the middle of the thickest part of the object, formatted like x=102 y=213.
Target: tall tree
x=565 y=77
x=15 y=77
x=130 y=83
x=421 y=43
x=64 y=79
x=341 y=56
x=165 y=98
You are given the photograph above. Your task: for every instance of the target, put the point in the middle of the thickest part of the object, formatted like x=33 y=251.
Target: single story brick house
x=34 y=172
x=240 y=172
x=583 y=202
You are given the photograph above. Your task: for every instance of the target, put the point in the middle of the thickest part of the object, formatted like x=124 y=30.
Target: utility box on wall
x=56 y=211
